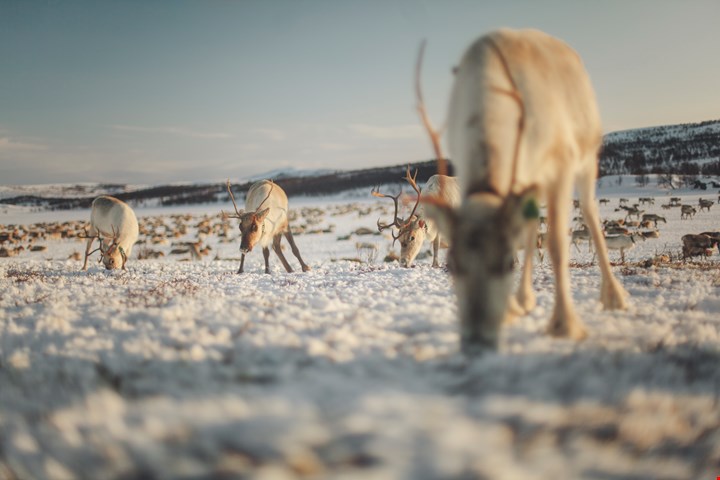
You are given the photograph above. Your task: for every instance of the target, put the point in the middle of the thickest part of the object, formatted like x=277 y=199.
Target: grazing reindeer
x=265 y=222
x=604 y=201
x=413 y=231
x=111 y=219
x=650 y=234
x=697 y=245
x=646 y=200
x=651 y=217
x=523 y=125
x=687 y=211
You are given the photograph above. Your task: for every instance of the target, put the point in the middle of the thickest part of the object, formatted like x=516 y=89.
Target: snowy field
x=183 y=369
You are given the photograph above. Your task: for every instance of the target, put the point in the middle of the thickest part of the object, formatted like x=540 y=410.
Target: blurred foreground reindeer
x=265 y=222
x=114 y=224
x=523 y=126
x=418 y=226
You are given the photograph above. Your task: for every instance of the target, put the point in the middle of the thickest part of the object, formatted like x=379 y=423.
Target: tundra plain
x=180 y=368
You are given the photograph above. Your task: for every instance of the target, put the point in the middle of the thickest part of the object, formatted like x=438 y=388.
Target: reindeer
x=687 y=211
x=633 y=211
x=706 y=204
x=265 y=222
x=111 y=220
x=413 y=231
x=646 y=200
x=650 y=234
x=623 y=243
x=651 y=217
x=603 y=201
x=523 y=125
x=582 y=234
x=697 y=245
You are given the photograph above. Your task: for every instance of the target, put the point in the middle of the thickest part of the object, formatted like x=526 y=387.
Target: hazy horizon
x=137 y=92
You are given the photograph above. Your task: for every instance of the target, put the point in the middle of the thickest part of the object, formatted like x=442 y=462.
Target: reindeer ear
x=262 y=214
x=421 y=223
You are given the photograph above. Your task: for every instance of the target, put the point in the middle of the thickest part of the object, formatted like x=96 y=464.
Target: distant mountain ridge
x=685 y=149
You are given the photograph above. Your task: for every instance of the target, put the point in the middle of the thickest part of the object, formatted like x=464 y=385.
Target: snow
x=180 y=369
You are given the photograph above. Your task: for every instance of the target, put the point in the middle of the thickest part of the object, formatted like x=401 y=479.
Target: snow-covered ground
x=179 y=369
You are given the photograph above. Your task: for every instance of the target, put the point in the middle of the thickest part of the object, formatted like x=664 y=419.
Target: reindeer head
x=485 y=233
x=411 y=232
x=251 y=229
x=113 y=256
x=251 y=224
x=411 y=237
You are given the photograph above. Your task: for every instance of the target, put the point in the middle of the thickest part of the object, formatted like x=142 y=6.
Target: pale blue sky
x=161 y=91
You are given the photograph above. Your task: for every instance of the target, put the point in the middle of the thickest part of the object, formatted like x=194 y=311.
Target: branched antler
x=397 y=222
x=413 y=184
x=435 y=135
x=87 y=235
x=232 y=197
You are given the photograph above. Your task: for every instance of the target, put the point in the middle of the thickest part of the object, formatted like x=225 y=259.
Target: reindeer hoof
x=526 y=302
x=613 y=295
x=570 y=328
x=305 y=268
x=513 y=311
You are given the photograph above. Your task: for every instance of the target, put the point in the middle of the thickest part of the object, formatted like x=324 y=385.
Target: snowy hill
x=687 y=149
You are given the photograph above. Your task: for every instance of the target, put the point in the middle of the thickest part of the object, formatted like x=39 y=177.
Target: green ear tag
x=530 y=210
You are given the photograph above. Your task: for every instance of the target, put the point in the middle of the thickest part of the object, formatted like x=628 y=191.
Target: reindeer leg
x=242 y=262
x=295 y=251
x=280 y=254
x=87 y=251
x=612 y=294
x=436 y=247
x=525 y=295
x=564 y=321
x=266 y=254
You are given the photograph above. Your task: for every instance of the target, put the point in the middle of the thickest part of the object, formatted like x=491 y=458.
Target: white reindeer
x=265 y=222
x=113 y=221
x=623 y=243
x=418 y=227
x=523 y=126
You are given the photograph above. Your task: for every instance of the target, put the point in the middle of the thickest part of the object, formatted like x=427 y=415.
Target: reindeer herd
x=524 y=130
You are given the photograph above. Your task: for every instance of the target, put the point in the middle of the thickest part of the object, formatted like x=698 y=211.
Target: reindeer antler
x=272 y=185
x=398 y=221
x=413 y=184
x=435 y=135
x=232 y=197
x=86 y=235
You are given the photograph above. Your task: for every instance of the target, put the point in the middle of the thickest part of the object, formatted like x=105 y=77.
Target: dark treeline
x=326 y=184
